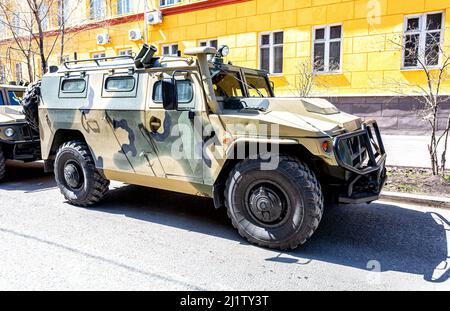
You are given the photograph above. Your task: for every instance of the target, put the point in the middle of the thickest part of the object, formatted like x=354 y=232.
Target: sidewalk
x=403 y=150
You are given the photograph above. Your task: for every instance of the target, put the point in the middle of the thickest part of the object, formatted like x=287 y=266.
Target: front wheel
x=76 y=175
x=278 y=208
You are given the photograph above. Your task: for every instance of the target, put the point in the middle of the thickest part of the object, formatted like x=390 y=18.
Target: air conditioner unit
x=154 y=17
x=135 y=35
x=103 y=38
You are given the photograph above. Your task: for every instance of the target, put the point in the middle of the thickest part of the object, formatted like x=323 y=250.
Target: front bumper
x=24 y=145
x=363 y=157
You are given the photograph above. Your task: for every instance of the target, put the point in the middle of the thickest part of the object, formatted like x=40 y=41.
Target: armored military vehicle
x=201 y=126
x=17 y=140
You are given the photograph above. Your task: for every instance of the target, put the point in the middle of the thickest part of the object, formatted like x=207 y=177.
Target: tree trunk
x=444 y=153
x=62 y=30
x=40 y=39
x=433 y=143
x=30 y=68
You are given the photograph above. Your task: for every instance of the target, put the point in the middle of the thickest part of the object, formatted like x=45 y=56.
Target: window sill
x=420 y=68
x=162 y=7
x=125 y=14
x=328 y=73
x=275 y=75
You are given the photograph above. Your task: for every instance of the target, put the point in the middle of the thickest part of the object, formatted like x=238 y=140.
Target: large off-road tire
x=30 y=104
x=280 y=208
x=2 y=164
x=76 y=175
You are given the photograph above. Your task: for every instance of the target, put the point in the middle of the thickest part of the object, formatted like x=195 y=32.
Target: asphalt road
x=146 y=239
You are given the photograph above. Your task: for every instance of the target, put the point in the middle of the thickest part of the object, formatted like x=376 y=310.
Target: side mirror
x=169 y=93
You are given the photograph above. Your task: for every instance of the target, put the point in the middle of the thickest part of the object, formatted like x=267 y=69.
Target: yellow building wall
x=371 y=62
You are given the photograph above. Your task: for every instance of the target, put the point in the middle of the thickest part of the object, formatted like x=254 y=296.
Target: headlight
x=9 y=132
x=224 y=50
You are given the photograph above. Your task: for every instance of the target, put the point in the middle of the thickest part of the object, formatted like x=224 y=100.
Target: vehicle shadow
x=377 y=237
x=27 y=177
x=383 y=237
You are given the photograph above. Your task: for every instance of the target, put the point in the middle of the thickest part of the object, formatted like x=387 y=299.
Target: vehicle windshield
x=15 y=97
x=257 y=85
x=228 y=83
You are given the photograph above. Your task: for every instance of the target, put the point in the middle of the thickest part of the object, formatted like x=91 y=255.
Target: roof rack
x=172 y=59
x=96 y=60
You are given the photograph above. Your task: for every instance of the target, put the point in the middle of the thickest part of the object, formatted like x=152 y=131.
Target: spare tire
x=30 y=104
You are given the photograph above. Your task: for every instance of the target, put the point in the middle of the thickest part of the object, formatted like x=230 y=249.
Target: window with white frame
x=63 y=12
x=170 y=49
x=168 y=2
x=19 y=75
x=327 y=48
x=98 y=55
x=422 y=40
x=43 y=16
x=211 y=42
x=271 y=52
x=123 y=7
x=16 y=23
x=2 y=73
x=126 y=52
x=2 y=26
x=96 y=9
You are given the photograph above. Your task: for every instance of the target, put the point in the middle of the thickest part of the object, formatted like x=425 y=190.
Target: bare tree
x=18 y=23
x=40 y=32
x=307 y=80
x=433 y=62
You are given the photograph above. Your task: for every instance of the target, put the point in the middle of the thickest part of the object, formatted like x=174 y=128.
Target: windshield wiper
x=257 y=90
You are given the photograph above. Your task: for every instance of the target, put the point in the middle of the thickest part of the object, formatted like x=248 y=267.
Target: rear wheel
x=76 y=175
x=2 y=164
x=278 y=208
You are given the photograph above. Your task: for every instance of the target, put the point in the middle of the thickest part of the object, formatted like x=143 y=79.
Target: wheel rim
x=73 y=175
x=267 y=204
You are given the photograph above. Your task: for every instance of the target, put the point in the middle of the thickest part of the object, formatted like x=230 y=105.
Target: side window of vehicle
x=73 y=87
x=120 y=86
x=185 y=92
x=2 y=101
x=14 y=99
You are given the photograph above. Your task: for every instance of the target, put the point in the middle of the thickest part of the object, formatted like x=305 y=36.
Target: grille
x=28 y=133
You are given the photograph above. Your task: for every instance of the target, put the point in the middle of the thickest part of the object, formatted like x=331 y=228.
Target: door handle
x=155 y=124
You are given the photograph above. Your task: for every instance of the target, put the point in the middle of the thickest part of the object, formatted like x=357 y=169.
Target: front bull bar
x=362 y=154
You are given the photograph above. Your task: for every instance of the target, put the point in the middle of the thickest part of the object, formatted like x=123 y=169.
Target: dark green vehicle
x=17 y=140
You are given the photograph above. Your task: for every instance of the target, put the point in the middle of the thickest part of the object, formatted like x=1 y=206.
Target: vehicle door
x=123 y=95
x=177 y=134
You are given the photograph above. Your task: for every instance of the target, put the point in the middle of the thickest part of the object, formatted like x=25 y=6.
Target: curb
x=416 y=199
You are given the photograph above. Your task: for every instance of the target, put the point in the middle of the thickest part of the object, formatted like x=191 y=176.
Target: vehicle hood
x=11 y=114
x=295 y=117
